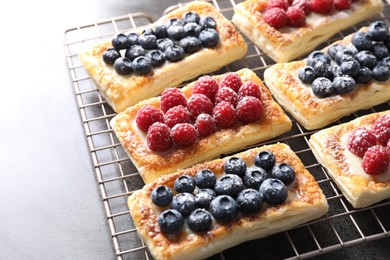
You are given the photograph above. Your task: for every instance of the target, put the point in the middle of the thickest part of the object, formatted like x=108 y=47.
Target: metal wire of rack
x=117 y=177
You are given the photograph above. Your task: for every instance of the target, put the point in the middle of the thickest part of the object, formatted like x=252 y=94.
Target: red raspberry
x=381 y=129
x=295 y=17
x=321 y=6
x=276 y=17
x=159 y=137
x=283 y=4
x=249 y=109
x=375 y=160
x=148 y=115
x=224 y=115
x=172 y=97
x=184 y=134
x=207 y=86
x=301 y=4
x=226 y=94
x=342 y=4
x=231 y=80
x=360 y=140
x=249 y=88
x=205 y=125
x=176 y=115
x=198 y=104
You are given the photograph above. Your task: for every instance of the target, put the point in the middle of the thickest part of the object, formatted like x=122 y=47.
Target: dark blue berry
x=274 y=191
x=199 y=220
x=235 y=165
x=350 y=68
x=224 y=208
x=192 y=29
x=386 y=41
x=191 y=17
x=249 y=201
x=156 y=57
x=133 y=38
x=174 y=21
x=147 y=41
x=122 y=66
x=316 y=56
x=306 y=74
x=184 y=203
x=381 y=72
x=229 y=184
x=121 y=42
x=322 y=87
x=184 y=183
x=208 y=22
x=265 y=160
x=176 y=32
x=160 y=31
x=344 y=55
x=284 y=172
x=205 y=178
x=204 y=197
x=164 y=43
x=161 y=196
x=148 y=31
x=362 y=41
x=366 y=59
x=190 y=44
x=254 y=177
x=380 y=50
x=385 y=62
x=364 y=75
x=174 y=53
x=336 y=71
x=134 y=51
x=333 y=49
x=209 y=37
x=378 y=31
x=141 y=65
x=323 y=69
x=110 y=55
x=343 y=84
x=170 y=221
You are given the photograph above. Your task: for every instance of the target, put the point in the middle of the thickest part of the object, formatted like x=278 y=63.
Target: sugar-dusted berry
x=159 y=137
x=360 y=140
x=249 y=88
x=184 y=134
x=376 y=160
x=295 y=17
x=207 y=86
x=342 y=4
x=249 y=109
x=301 y=4
x=321 y=6
x=284 y=4
x=224 y=115
x=148 y=115
x=231 y=80
x=176 y=115
x=226 y=94
x=381 y=129
x=172 y=97
x=205 y=125
x=276 y=17
x=198 y=104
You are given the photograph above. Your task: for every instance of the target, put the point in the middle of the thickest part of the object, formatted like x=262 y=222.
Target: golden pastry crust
x=122 y=91
x=329 y=147
x=305 y=202
x=289 y=43
x=152 y=165
x=313 y=112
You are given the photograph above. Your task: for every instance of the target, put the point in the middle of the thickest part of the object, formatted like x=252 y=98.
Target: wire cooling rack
x=117 y=178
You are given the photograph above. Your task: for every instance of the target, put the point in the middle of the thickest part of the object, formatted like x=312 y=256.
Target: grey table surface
x=50 y=204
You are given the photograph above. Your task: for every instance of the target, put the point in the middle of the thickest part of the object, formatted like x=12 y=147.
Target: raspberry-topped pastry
x=184 y=126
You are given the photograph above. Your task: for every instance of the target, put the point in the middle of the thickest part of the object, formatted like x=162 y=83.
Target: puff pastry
x=289 y=43
x=330 y=148
x=152 y=165
x=305 y=202
x=313 y=112
x=123 y=91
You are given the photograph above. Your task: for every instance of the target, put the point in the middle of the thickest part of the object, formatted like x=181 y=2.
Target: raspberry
x=224 y=115
x=301 y=4
x=198 y=104
x=375 y=160
x=205 y=125
x=360 y=140
x=148 y=115
x=321 y=6
x=207 y=86
x=176 y=115
x=342 y=4
x=381 y=129
x=283 y=4
x=231 y=80
x=276 y=17
x=249 y=109
x=159 y=137
x=249 y=88
x=184 y=134
x=295 y=17
x=226 y=94
x=172 y=97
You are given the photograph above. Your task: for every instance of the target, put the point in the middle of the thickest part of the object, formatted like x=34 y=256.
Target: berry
x=381 y=129
x=121 y=42
x=235 y=165
x=174 y=53
x=342 y=4
x=172 y=97
x=322 y=87
x=250 y=109
x=204 y=197
x=148 y=115
x=177 y=115
x=360 y=140
x=164 y=43
x=295 y=17
x=375 y=160
x=198 y=104
x=274 y=191
x=231 y=80
x=249 y=88
x=176 y=32
x=161 y=196
x=364 y=75
x=350 y=68
x=226 y=94
x=205 y=178
x=386 y=41
x=366 y=59
x=191 y=17
x=343 y=84
x=141 y=65
x=174 y=21
x=301 y=4
x=192 y=29
x=190 y=44
x=160 y=31
x=284 y=172
x=207 y=86
x=381 y=72
x=199 y=220
x=336 y=70
x=380 y=50
x=306 y=74
x=147 y=41
x=344 y=55
x=133 y=38
x=184 y=134
x=184 y=203
x=230 y=184
x=224 y=208
x=321 y=6
x=254 y=177
x=184 y=183
x=323 y=69
x=249 y=201
x=316 y=56
x=224 y=115
x=110 y=55
x=204 y=125
x=159 y=137
x=147 y=31
x=134 y=51
x=208 y=22
x=265 y=160
x=156 y=57
x=283 y=4
x=362 y=41
x=378 y=31
x=209 y=37
x=334 y=48
x=122 y=66
x=276 y=17
x=385 y=61
x=170 y=221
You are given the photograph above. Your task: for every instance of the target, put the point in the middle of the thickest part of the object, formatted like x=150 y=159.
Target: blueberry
x=364 y=75
x=265 y=160
x=209 y=37
x=350 y=68
x=191 y=17
x=174 y=21
x=204 y=197
x=122 y=66
x=343 y=84
x=184 y=203
x=333 y=49
x=336 y=71
x=366 y=59
x=322 y=87
x=192 y=29
x=184 y=183
x=161 y=196
x=199 y=220
x=174 y=53
x=176 y=32
x=141 y=65
x=208 y=22
x=316 y=56
x=229 y=184
x=224 y=208
x=134 y=51
x=362 y=41
x=380 y=50
x=235 y=165
x=160 y=31
x=386 y=41
x=344 y=55
x=190 y=44
x=274 y=191
x=249 y=201
x=284 y=172
x=133 y=38
x=323 y=69
x=378 y=31
x=164 y=43
x=148 y=41
x=156 y=57
x=148 y=31
x=381 y=72
x=120 y=42
x=110 y=55
x=254 y=177
x=205 y=179
x=385 y=61
x=170 y=221
x=306 y=74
